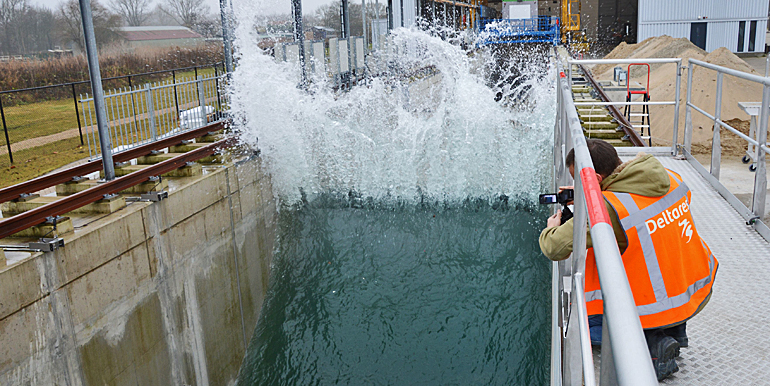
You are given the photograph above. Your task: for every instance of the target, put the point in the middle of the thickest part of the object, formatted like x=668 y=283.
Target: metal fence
x=142 y=114
x=43 y=128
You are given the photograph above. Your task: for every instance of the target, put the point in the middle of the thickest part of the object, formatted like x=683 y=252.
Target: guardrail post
x=5 y=129
x=716 y=142
x=607 y=375
x=676 y=107
x=688 y=111
x=151 y=112
x=760 y=177
x=77 y=114
x=201 y=99
x=176 y=98
x=96 y=86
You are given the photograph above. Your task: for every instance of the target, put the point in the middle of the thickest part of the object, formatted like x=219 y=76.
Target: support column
x=96 y=87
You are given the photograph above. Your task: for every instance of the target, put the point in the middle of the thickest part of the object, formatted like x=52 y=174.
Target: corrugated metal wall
x=687 y=10
x=674 y=18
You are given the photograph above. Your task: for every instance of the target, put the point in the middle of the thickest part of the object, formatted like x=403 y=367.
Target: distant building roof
x=157 y=33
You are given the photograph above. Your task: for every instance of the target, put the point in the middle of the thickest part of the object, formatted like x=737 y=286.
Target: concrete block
x=211 y=137
x=217 y=158
x=152 y=159
x=20 y=285
x=101 y=241
x=63 y=225
x=3 y=261
x=26 y=336
x=125 y=170
x=193 y=197
x=135 y=345
x=70 y=188
x=146 y=187
x=190 y=170
x=216 y=219
x=73 y=187
x=184 y=148
x=91 y=294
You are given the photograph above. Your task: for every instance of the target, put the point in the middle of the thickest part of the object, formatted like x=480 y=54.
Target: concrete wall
x=163 y=293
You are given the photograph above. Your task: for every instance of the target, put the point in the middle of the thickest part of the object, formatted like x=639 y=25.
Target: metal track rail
x=633 y=136
x=43 y=182
x=39 y=215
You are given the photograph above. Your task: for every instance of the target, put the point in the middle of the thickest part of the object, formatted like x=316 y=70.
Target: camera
x=563 y=197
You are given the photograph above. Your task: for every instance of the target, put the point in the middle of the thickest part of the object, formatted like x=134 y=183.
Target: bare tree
x=134 y=12
x=71 y=27
x=10 y=12
x=186 y=12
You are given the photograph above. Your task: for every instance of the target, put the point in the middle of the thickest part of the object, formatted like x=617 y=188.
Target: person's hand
x=554 y=220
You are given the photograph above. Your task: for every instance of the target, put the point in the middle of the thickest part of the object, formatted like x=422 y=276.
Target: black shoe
x=679 y=333
x=663 y=350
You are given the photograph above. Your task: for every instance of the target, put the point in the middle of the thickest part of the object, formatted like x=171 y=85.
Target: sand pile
x=663 y=85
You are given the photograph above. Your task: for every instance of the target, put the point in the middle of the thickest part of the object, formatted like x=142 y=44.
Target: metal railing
x=625 y=356
x=676 y=103
x=144 y=114
x=757 y=144
x=542 y=29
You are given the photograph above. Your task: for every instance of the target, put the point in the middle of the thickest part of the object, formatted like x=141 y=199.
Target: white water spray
x=437 y=133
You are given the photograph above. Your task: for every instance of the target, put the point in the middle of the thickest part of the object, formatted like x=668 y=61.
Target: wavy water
x=407 y=244
x=414 y=296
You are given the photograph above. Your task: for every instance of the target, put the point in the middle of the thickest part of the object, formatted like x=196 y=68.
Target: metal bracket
x=53 y=220
x=154 y=196
x=189 y=164
x=753 y=220
x=26 y=197
x=186 y=142
x=47 y=244
x=109 y=196
x=78 y=179
x=153 y=178
x=154 y=152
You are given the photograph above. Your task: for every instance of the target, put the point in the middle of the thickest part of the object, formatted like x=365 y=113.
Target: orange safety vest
x=669 y=267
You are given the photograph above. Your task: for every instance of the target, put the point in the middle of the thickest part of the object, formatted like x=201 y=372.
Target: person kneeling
x=669 y=267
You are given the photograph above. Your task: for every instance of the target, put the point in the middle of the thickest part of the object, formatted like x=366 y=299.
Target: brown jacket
x=643 y=175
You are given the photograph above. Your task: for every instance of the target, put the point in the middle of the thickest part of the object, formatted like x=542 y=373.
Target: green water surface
x=414 y=295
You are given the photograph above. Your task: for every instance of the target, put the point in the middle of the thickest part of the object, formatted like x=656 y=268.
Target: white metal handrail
x=629 y=360
x=757 y=210
x=143 y=114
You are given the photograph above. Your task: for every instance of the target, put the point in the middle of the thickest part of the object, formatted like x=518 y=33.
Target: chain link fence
x=45 y=128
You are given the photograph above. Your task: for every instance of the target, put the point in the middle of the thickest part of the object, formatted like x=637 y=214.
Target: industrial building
x=160 y=36
x=709 y=24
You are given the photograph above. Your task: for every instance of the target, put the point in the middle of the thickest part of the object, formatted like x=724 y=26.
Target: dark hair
x=603 y=155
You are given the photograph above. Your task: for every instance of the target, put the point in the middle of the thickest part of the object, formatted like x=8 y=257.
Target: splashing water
x=403 y=134
x=444 y=289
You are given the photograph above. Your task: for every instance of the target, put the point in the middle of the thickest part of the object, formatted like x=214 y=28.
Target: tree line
x=27 y=29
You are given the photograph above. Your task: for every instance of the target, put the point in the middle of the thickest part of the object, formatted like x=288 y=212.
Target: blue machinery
x=543 y=29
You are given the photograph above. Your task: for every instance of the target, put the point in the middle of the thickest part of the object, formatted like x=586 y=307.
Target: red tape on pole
x=597 y=212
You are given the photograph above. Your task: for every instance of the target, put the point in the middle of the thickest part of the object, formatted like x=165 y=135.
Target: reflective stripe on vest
x=644 y=223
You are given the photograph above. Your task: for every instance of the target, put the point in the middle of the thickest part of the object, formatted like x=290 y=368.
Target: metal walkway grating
x=729 y=339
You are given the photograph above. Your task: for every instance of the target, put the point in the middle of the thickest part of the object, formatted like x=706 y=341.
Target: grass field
x=31 y=163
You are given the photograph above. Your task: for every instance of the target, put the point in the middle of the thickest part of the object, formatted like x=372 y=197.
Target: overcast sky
x=277 y=6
